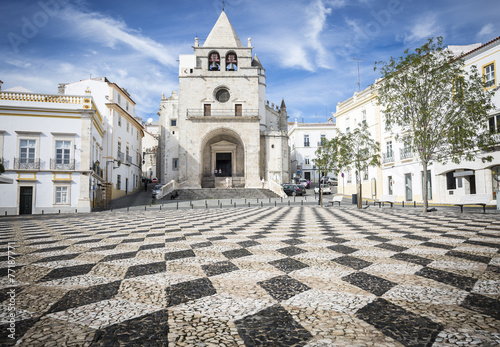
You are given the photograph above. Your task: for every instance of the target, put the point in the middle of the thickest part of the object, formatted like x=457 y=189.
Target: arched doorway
x=223 y=159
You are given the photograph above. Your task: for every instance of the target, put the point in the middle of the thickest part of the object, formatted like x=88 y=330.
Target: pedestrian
x=146 y=185
x=220 y=172
x=263 y=181
x=215 y=173
x=227 y=181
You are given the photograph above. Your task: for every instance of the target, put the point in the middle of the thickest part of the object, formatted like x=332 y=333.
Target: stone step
x=215 y=193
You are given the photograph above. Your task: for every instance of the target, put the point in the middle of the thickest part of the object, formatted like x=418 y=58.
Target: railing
x=277 y=188
x=190 y=113
x=55 y=165
x=167 y=188
x=34 y=97
x=405 y=154
x=121 y=156
x=321 y=143
x=26 y=164
x=98 y=172
x=387 y=157
x=129 y=159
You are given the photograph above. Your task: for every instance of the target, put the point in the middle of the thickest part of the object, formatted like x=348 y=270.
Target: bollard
x=127 y=208
x=245 y=201
x=145 y=207
x=5 y=212
x=206 y=205
x=281 y=199
x=302 y=202
x=269 y=200
x=275 y=203
x=160 y=207
x=59 y=211
x=231 y=201
x=261 y=204
x=294 y=199
x=192 y=206
x=76 y=211
x=403 y=204
x=177 y=204
x=414 y=204
x=249 y=204
x=234 y=204
x=288 y=202
x=42 y=211
x=257 y=200
x=220 y=205
x=218 y=202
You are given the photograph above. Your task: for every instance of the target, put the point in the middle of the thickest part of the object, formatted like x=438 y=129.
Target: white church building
x=219 y=130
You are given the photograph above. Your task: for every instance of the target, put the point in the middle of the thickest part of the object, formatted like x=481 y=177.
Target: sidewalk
x=139 y=198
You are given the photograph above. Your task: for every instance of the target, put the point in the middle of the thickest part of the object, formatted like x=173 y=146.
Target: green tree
x=326 y=159
x=439 y=109
x=358 y=150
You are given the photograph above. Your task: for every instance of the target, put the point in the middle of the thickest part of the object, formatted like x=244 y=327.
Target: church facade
x=219 y=130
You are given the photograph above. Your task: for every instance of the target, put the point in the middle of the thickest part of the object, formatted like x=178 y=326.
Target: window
x=389 y=149
x=323 y=140
x=119 y=98
x=175 y=164
x=489 y=75
x=27 y=151
x=61 y=195
x=173 y=122
x=214 y=62
x=494 y=124
x=390 y=184
x=118 y=182
x=306 y=160
x=119 y=146
x=347 y=126
x=231 y=62
x=126 y=106
x=119 y=120
x=128 y=126
x=363 y=117
x=306 y=140
x=207 y=110
x=63 y=152
x=127 y=155
x=222 y=95
x=451 y=182
x=238 y=110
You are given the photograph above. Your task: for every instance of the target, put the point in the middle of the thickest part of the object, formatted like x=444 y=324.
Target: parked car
x=329 y=180
x=156 y=190
x=293 y=189
x=304 y=182
x=325 y=188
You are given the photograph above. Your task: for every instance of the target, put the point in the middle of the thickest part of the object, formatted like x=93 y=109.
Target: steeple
x=223 y=34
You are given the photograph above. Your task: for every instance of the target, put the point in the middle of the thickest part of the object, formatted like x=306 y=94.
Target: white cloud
x=486 y=30
x=426 y=26
x=110 y=32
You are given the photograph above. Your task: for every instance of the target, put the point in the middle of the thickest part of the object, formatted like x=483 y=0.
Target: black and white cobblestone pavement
x=274 y=276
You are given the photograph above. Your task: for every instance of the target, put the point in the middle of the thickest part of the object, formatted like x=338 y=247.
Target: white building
x=220 y=119
x=123 y=133
x=48 y=144
x=361 y=108
x=304 y=140
x=456 y=180
x=401 y=172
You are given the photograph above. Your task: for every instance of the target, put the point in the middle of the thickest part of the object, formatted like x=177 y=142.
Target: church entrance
x=222 y=156
x=223 y=164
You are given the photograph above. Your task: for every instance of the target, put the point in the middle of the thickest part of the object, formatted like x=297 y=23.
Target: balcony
x=64 y=165
x=120 y=156
x=129 y=160
x=27 y=163
x=214 y=113
x=5 y=163
x=405 y=153
x=387 y=157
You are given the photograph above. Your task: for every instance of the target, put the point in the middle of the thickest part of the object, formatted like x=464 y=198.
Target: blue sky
x=307 y=47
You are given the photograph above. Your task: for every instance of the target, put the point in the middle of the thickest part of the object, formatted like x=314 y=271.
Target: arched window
x=231 y=62
x=214 y=62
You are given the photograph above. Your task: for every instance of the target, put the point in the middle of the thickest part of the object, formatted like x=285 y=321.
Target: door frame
x=32 y=197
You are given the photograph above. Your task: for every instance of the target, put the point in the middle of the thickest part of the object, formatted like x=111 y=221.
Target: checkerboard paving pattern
x=287 y=276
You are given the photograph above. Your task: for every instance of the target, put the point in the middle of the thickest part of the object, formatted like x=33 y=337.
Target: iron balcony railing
x=129 y=159
x=27 y=163
x=387 y=157
x=190 y=113
x=405 y=153
x=66 y=165
x=121 y=156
